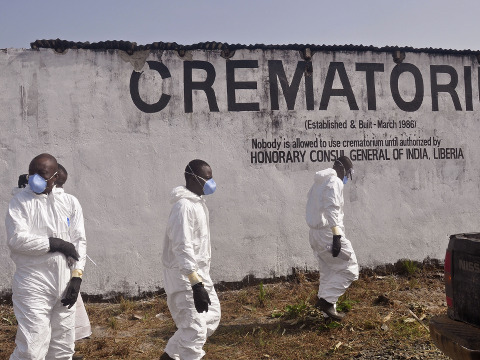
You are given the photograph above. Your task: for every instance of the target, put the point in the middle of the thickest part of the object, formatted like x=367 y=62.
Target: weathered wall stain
x=137 y=59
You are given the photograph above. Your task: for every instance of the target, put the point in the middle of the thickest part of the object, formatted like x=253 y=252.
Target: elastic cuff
x=336 y=230
x=194 y=278
x=77 y=273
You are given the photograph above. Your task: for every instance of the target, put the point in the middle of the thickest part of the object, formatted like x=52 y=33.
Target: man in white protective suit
x=83 y=328
x=191 y=297
x=338 y=265
x=48 y=248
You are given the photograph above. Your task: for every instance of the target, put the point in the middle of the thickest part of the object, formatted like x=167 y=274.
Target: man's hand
x=201 y=298
x=71 y=295
x=66 y=248
x=336 y=245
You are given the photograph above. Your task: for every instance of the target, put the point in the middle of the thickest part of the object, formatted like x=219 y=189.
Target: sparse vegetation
x=113 y=323
x=126 y=305
x=262 y=294
x=410 y=267
x=295 y=311
x=345 y=304
x=378 y=323
x=408 y=329
x=10 y=319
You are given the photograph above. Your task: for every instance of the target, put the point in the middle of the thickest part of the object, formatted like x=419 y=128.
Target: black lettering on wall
x=206 y=86
x=398 y=70
x=277 y=72
x=468 y=88
x=134 y=93
x=370 y=69
x=328 y=90
x=447 y=88
x=233 y=85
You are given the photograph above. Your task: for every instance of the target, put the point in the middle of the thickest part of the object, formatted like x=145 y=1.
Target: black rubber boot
x=329 y=309
x=165 y=356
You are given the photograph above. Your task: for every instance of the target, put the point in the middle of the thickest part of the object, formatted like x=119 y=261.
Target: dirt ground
x=388 y=313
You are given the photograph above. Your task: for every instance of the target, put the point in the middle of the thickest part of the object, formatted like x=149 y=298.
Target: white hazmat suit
x=83 y=328
x=187 y=249
x=45 y=327
x=324 y=211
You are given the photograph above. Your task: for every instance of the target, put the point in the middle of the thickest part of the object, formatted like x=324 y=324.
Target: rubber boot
x=165 y=356
x=329 y=309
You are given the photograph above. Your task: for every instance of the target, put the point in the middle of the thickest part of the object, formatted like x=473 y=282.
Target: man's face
x=202 y=177
x=46 y=168
x=61 y=179
x=341 y=171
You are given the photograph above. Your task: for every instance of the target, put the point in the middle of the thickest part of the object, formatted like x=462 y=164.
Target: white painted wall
x=123 y=162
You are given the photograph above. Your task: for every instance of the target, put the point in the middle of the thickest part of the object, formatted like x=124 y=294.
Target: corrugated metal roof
x=131 y=47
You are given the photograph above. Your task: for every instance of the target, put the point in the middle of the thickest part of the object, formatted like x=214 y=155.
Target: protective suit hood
x=58 y=190
x=323 y=175
x=181 y=192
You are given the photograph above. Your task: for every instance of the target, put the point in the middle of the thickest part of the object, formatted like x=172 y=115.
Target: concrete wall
x=125 y=129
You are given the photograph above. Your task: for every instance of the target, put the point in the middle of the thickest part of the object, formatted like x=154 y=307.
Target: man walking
x=324 y=215
x=191 y=297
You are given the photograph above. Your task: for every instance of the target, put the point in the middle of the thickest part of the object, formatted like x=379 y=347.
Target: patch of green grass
x=328 y=325
x=410 y=267
x=303 y=314
x=295 y=311
x=262 y=294
x=277 y=313
x=10 y=319
x=344 y=303
x=407 y=330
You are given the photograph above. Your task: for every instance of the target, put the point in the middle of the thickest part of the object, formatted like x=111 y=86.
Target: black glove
x=66 y=248
x=201 y=298
x=336 y=245
x=71 y=295
x=22 y=180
